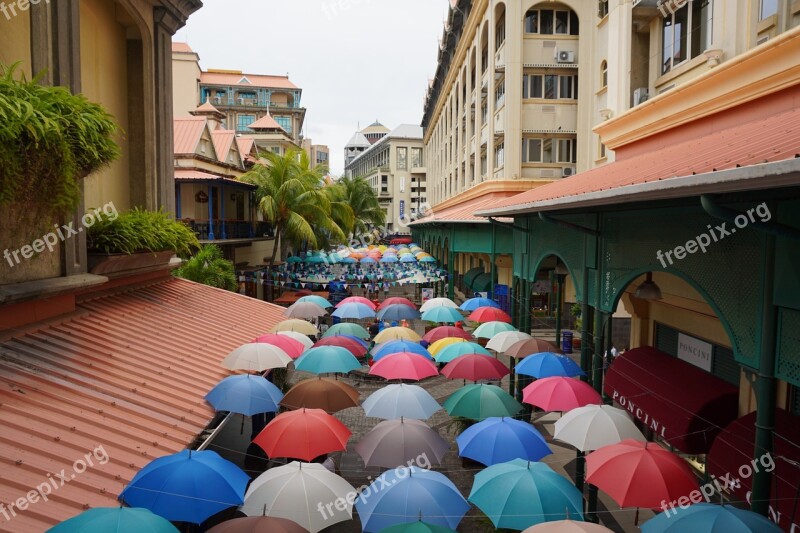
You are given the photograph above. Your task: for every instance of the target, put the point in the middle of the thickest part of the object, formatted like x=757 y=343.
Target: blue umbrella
x=408 y=259
x=474 y=303
x=187 y=486
x=117 y=519
x=442 y=314
x=407 y=494
x=709 y=518
x=401 y=400
x=294 y=259
x=316 y=259
x=319 y=300
x=428 y=259
x=388 y=259
x=396 y=346
x=448 y=353
x=245 y=394
x=497 y=440
x=349 y=260
x=548 y=364
x=398 y=312
x=327 y=359
x=519 y=494
x=368 y=260
x=354 y=310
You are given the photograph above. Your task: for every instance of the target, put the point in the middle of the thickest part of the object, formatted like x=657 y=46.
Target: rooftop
x=403 y=131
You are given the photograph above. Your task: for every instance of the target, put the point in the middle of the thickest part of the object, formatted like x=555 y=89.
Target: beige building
x=318 y=154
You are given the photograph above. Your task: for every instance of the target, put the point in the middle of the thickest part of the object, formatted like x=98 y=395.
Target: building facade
x=318 y=154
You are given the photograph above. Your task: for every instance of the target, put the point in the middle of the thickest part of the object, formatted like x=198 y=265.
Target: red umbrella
x=292 y=347
x=530 y=346
x=394 y=300
x=489 y=314
x=474 y=367
x=639 y=474
x=356 y=300
x=352 y=345
x=303 y=434
x=404 y=365
x=446 y=331
x=560 y=394
x=258 y=524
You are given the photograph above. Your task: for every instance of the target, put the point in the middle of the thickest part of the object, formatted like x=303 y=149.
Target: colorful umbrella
x=709 y=518
x=397 y=333
x=446 y=331
x=441 y=344
x=489 y=314
x=547 y=365
x=442 y=314
x=303 y=434
x=638 y=474
x=354 y=310
x=417 y=527
x=245 y=394
x=404 y=365
x=394 y=443
x=474 y=367
x=593 y=426
x=560 y=394
x=389 y=259
x=567 y=526
x=474 y=303
x=401 y=400
x=498 y=440
x=327 y=359
x=327 y=394
x=116 y=519
x=291 y=346
x=188 y=486
x=519 y=494
x=490 y=329
x=527 y=347
x=407 y=494
x=368 y=261
x=438 y=302
x=319 y=300
x=347 y=328
x=449 y=353
x=481 y=401
x=304 y=310
x=398 y=312
x=256 y=357
x=351 y=344
x=504 y=340
x=388 y=348
x=294 y=259
x=396 y=300
x=408 y=259
x=427 y=259
x=299 y=337
x=356 y=300
x=257 y=524
x=295 y=324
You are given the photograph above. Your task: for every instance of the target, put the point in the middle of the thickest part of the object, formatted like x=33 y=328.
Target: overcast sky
x=356 y=60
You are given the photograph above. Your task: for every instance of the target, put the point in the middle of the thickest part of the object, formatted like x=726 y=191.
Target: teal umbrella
x=481 y=401
x=490 y=329
x=294 y=259
x=709 y=518
x=327 y=359
x=442 y=314
x=347 y=328
x=448 y=353
x=314 y=299
x=519 y=494
x=117 y=519
x=417 y=527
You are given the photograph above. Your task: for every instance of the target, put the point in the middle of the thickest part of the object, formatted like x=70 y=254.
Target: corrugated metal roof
x=223 y=141
x=463 y=212
x=187 y=132
x=127 y=372
x=199 y=175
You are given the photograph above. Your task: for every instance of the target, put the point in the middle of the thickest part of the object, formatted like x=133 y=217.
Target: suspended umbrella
x=475 y=303
x=504 y=340
x=256 y=357
x=367 y=261
x=490 y=329
x=441 y=344
x=398 y=312
x=349 y=260
x=348 y=343
x=295 y=324
x=352 y=338
x=401 y=400
x=347 y=328
x=560 y=394
x=548 y=364
x=188 y=486
x=527 y=347
x=245 y=394
x=294 y=492
x=257 y=524
x=316 y=259
x=303 y=434
x=449 y=353
x=397 y=333
x=291 y=346
x=321 y=393
x=489 y=314
x=319 y=300
x=408 y=259
x=417 y=527
x=294 y=259
x=388 y=348
x=404 y=365
x=407 y=494
x=438 y=302
x=442 y=314
x=442 y=332
x=326 y=360
x=481 y=401
x=427 y=259
x=709 y=518
x=518 y=494
x=593 y=426
x=354 y=310
x=394 y=443
x=299 y=337
x=304 y=310
x=475 y=367
x=356 y=300
x=116 y=519
x=388 y=259
x=498 y=440
x=396 y=300
x=567 y=526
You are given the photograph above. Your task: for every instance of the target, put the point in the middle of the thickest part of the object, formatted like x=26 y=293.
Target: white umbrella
x=307 y=342
x=594 y=426
x=401 y=400
x=505 y=340
x=304 y=310
x=295 y=324
x=256 y=357
x=437 y=302
x=305 y=493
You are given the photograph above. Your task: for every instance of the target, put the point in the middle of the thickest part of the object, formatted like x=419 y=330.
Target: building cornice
x=488 y=187
x=173 y=14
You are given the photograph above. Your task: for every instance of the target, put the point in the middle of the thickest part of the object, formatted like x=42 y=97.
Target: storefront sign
x=695 y=351
x=402 y=208
x=640 y=414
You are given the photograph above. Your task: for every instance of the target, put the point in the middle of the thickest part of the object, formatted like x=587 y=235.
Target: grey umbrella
x=403 y=442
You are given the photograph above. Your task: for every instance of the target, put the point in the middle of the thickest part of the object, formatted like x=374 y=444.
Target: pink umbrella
x=404 y=365
x=356 y=300
x=560 y=394
x=489 y=314
x=352 y=345
x=474 y=367
x=443 y=332
x=292 y=347
x=396 y=300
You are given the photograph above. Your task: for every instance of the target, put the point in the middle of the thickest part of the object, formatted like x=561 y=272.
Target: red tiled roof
x=194 y=175
x=127 y=372
x=771 y=139
x=256 y=80
x=187 y=132
x=463 y=212
x=223 y=140
x=265 y=123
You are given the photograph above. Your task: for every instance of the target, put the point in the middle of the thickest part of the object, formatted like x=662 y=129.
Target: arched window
x=551 y=22
x=604 y=73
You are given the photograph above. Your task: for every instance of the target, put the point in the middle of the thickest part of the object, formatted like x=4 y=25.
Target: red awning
x=731 y=457
x=681 y=403
x=401 y=240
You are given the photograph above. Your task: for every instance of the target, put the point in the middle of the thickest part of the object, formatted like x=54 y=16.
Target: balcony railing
x=233 y=229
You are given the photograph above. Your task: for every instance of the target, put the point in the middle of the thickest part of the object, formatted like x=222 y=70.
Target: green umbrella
x=118 y=519
x=490 y=329
x=347 y=328
x=319 y=300
x=448 y=353
x=481 y=401
x=416 y=527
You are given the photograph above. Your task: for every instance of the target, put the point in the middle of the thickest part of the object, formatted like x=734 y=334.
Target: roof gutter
x=506 y=225
x=569 y=225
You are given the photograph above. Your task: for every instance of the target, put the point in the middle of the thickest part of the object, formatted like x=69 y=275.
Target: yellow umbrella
x=397 y=333
x=295 y=324
x=443 y=343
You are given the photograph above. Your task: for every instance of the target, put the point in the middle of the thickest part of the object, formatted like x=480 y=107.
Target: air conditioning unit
x=640 y=95
x=567 y=171
x=241 y=101
x=565 y=56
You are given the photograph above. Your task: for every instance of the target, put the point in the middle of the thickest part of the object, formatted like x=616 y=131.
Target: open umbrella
x=257 y=524
x=475 y=367
x=449 y=353
x=560 y=394
x=299 y=492
x=446 y=331
x=593 y=426
x=408 y=259
x=481 y=401
x=356 y=300
x=304 y=310
x=327 y=359
x=116 y=519
x=245 y=394
x=489 y=314
x=518 y=494
x=397 y=333
x=291 y=346
x=417 y=527
x=387 y=348
x=351 y=344
x=442 y=314
x=474 y=303
x=490 y=329
x=319 y=300
x=295 y=324
x=407 y=494
x=394 y=443
x=299 y=337
x=294 y=259
x=504 y=340
x=567 y=526
x=354 y=310
x=398 y=312
x=404 y=365
x=547 y=364
x=438 y=302
x=327 y=394
x=347 y=328
x=441 y=344
x=401 y=400
x=527 y=347
x=709 y=518
x=396 y=300
x=388 y=259
x=501 y=439
x=187 y=486
x=256 y=357
x=303 y=434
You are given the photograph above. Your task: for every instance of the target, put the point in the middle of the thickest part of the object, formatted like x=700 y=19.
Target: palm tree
x=209 y=268
x=359 y=195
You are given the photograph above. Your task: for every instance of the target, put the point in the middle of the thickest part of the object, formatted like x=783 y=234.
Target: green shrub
x=139 y=230
x=210 y=268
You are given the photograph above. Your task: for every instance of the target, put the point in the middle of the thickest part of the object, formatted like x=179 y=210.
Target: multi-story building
x=395 y=167
x=318 y=154
x=363 y=139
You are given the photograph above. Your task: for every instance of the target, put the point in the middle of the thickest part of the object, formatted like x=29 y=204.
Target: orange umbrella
x=327 y=394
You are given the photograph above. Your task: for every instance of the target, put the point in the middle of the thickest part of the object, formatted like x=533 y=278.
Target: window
x=536 y=150
x=484 y=111
x=566 y=150
x=686 y=33
x=550 y=86
x=768 y=8
x=551 y=22
x=500 y=95
x=242 y=121
x=604 y=73
x=500 y=33
x=602 y=8
x=499 y=155
x=484 y=59
x=402 y=158
x=416 y=157
x=285 y=123
x=603 y=153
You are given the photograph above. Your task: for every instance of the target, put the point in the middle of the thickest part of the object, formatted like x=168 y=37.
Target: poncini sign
x=643 y=416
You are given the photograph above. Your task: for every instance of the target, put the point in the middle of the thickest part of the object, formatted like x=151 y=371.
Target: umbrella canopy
x=637 y=475
x=442 y=314
x=327 y=359
x=319 y=300
x=481 y=401
x=320 y=393
x=560 y=394
x=303 y=434
x=295 y=324
x=256 y=357
x=474 y=303
x=398 y=312
x=187 y=486
x=388 y=259
x=356 y=300
x=394 y=443
x=520 y=493
x=304 y=310
x=474 y=367
x=567 y=526
x=397 y=333
x=427 y=259
x=527 y=347
x=354 y=310
x=245 y=394
x=490 y=329
x=446 y=331
x=347 y=328
x=351 y=344
x=387 y=348
x=498 y=440
x=401 y=400
x=407 y=494
x=408 y=259
x=294 y=259
x=257 y=524
x=291 y=346
x=548 y=364
x=593 y=426
x=299 y=337
x=417 y=527
x=294 y=492
x=489 y=314
x=709 y=518
x=368 y=260
x=441 y=344
x=438 y=302
x=404 y=365
x=504 y=340
x=396 y=300
x=116 y=519
x=449 y=353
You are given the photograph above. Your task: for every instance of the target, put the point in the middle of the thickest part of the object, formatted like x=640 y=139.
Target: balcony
x=233 y=229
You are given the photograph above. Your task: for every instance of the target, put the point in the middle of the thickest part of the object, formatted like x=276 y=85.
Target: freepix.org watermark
x=714 y=234
x=11 y=9
x=53 y=482
x=61 y=233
